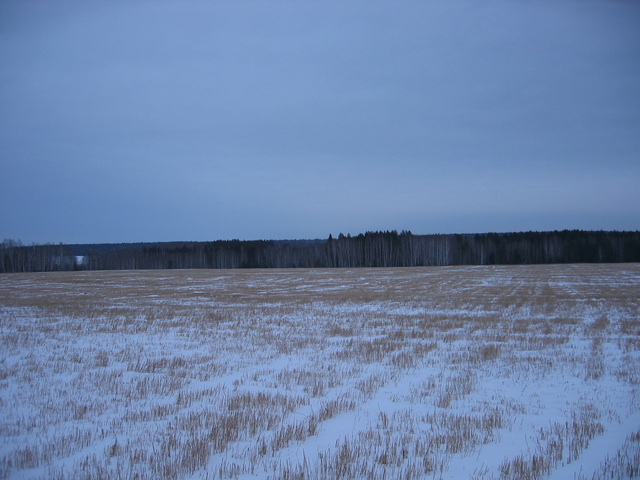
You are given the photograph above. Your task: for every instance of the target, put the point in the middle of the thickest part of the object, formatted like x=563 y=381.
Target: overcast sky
x=201 y=120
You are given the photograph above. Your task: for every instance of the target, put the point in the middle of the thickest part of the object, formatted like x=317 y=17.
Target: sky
x=143 y=121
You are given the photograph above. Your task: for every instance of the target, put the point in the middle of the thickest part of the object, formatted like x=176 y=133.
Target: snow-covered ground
x=462 y=372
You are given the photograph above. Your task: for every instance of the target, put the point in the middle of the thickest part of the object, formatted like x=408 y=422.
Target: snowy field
x=454 y=373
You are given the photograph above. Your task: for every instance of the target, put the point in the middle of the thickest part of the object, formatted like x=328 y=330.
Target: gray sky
x=201 y=120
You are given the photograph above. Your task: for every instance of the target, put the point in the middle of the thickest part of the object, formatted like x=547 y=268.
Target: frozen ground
x=467 y=372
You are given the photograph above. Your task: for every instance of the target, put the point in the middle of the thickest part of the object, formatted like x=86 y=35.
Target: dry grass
x=624 y=464
x=314 y=374
x=555 y=444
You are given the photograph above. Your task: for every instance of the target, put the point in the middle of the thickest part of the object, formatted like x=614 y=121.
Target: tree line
x=370 y=249
x=16 y=257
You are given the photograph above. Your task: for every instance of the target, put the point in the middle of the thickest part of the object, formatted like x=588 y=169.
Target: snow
x=458 y=372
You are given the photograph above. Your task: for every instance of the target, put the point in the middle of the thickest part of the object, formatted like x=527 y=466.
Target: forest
x=370 y=249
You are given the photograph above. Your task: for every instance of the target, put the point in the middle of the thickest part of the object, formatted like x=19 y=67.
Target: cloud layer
x=145 y=121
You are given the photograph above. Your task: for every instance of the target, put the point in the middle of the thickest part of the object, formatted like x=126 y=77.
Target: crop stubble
x=363 y=373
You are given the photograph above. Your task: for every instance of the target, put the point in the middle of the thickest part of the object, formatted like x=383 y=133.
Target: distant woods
x=371 y=249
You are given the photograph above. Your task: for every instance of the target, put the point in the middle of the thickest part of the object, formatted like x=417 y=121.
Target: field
x=519 y=372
